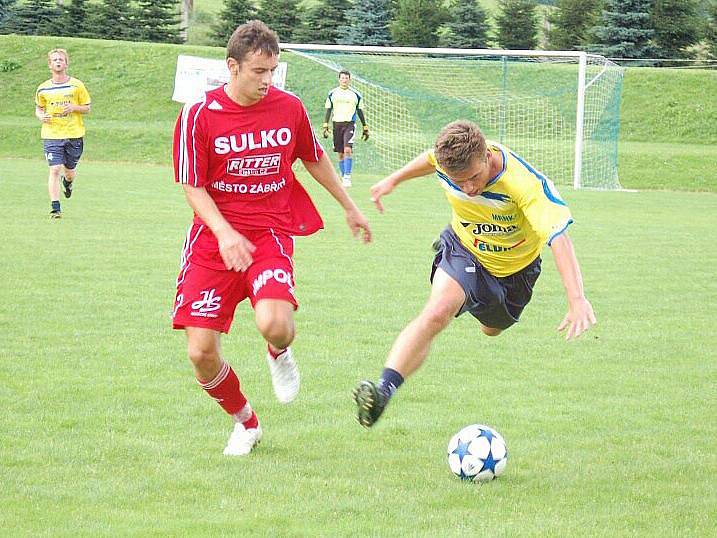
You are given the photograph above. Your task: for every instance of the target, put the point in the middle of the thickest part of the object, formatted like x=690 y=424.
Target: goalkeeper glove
x=325 y=130
x=364 y=135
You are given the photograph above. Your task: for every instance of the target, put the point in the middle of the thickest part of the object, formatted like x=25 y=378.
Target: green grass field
x=105 y=433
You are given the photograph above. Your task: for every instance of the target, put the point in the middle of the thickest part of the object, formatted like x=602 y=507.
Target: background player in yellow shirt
x=60 y=103
x=345 y=104
x=488 y=258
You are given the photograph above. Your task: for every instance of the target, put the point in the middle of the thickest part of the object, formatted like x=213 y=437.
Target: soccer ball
x=478 y=453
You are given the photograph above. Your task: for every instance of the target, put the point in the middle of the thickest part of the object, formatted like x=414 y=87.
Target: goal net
x=559 y=110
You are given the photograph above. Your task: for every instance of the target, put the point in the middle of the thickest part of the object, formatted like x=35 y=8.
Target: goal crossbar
x=559 y=109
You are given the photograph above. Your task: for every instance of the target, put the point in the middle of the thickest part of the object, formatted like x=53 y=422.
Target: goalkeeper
x=345 y=104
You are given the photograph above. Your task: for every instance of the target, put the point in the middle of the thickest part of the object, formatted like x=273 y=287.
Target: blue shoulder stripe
x=55 y=88
x=553 y=197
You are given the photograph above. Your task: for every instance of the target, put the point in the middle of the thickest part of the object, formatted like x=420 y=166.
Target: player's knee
x=490 y=331
x=436 y=318
x=204 y=356
x=348 y=152
x=278 y=332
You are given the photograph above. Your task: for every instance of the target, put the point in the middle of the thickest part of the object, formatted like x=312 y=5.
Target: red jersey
x=242 y=156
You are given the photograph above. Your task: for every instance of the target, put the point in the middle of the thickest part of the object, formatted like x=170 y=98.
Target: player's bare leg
x=67 y=180
x=53 y=189
x=411 y=347
x=218 y=379
x=490 y=331
x=275 y=321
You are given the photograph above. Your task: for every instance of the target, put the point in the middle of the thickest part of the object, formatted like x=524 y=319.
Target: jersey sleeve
x=39 y=98
x=328 y=103
x=307 y=146
x=546 y=212
x=190 y=151
x=83 y=96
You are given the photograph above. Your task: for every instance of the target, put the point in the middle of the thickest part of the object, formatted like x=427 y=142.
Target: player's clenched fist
x=364 y=135
x=325 y=130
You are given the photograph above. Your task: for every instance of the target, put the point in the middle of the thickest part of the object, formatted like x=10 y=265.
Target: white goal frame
x=580 y=56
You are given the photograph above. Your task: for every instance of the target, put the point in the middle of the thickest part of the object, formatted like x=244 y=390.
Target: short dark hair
x=458 y=144
x=345 y=72
x=250 y=37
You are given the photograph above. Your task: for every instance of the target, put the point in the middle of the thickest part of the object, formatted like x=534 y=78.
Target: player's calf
x=66 y=187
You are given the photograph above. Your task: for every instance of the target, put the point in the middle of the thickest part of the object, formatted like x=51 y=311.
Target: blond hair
x=458 y=144
x=59 y=51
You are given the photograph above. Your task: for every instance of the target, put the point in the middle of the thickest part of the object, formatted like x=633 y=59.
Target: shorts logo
x=48 y=156
x=279 y=275
x=256 y=165
x=207 y=305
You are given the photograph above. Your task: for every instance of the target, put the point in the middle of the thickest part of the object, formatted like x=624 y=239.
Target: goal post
x=560 y=110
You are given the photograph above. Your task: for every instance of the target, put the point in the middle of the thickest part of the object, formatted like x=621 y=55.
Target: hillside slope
x=664 y=112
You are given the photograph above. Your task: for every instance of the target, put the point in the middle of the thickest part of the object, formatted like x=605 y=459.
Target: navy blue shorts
x=496 y=302
x=65 y=151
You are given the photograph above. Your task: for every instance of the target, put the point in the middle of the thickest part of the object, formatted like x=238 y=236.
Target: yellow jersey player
x=345 y=104
x=488 y=259
x=60 y=103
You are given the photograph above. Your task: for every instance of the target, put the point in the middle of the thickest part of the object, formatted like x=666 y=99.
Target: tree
x=317 y=27
x=711 y=30
x=518 y=24
x=113 y=19
x=235 y=12
x=676 y=27
x=624 y=30
x=416 y=22
x=157 y=21
x=282 y=16
x=187 y=6
x=35 y=17
x=468 y=27
x=7 y=9
x=367 y=23
x=571 y=23
x=74 y=20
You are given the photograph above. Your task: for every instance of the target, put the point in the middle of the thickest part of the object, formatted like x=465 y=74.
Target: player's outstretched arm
x=418 y=167
x=580 y=316
x=235 y=249
x=325 y=174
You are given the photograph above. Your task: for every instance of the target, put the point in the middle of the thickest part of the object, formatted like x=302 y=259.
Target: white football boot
x=242 y=440
x=346 y=180
x=284 y=376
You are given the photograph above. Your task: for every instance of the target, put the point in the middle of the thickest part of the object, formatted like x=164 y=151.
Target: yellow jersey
x=52 y=97
x=506 y=226
x=345 y=104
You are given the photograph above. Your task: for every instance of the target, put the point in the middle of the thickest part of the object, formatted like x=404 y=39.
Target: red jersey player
x=233 y=152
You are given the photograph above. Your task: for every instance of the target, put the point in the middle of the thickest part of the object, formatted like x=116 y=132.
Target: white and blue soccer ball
x=478 y=453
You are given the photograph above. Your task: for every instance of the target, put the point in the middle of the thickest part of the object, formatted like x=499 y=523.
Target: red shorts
x=208 y=296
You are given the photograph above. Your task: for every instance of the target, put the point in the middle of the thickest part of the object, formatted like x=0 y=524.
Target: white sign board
x=197 y=75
